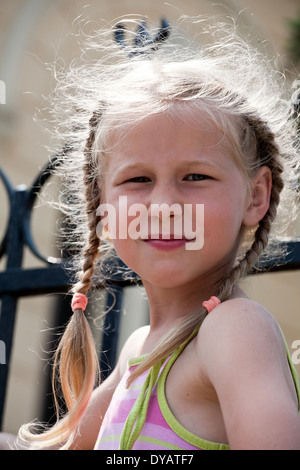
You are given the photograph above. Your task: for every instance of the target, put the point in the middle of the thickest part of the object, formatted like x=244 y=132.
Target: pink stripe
x=165 y=434
x=154 y=414
x=134 y=389
x=123 y=407
x=149 y=430
x=140 y=379
x=122 y=410
x=155 y=426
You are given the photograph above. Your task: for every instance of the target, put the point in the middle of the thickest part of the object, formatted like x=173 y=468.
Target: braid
x=92 y=197
x=79 y=362
x=76 y=358
x=267 y=154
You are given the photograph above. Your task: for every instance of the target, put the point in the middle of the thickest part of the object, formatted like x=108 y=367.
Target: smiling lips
x=166 y=241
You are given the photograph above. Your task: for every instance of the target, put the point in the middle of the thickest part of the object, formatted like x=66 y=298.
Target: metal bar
x=36 y=281
x=7 y=321
x=108 y=354
x=57 y=278
x=14 y=244
x=290 y=260
x=39 y=281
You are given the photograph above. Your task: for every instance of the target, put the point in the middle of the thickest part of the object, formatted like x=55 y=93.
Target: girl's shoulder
x=242 y=359
x=240 y=319
x=241 y=332
x=240 y=314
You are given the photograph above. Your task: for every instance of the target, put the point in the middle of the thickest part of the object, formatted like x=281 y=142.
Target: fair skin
x=235 y=384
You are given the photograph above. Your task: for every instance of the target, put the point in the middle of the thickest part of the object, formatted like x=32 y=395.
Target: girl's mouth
x=166 y=241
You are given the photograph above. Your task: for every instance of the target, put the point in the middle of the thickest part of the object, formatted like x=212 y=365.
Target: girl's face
x=167 y=161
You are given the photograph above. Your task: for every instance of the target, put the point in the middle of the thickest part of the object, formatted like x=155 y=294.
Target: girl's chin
x=167 y=278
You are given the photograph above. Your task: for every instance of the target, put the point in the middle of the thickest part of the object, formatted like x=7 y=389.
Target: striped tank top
x=139 y=417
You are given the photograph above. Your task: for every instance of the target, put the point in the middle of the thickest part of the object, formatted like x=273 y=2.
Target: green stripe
x=109 y=438
x=175 y=425
x=136 y=361
x=152 y=440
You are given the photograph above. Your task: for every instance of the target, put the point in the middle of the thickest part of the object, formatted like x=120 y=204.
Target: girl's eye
x=138 y=179
x=196 y=177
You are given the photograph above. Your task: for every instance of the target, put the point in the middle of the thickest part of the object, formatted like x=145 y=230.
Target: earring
x=106 y=235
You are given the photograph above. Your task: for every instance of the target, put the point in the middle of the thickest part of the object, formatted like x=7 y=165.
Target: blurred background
x=33 y=35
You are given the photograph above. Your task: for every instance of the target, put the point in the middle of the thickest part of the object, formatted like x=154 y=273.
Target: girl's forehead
x=186 y=127
x=160 y=140
x=166 y=130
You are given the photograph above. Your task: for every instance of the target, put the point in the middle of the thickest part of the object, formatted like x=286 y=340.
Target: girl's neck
x=169 y=306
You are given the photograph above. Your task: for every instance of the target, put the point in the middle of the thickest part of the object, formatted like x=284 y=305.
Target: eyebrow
x=204 y=162
x=132 y=166
x=127 y=168
x=183 y=163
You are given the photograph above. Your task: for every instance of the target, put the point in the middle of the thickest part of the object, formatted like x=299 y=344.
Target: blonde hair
x=227 y=81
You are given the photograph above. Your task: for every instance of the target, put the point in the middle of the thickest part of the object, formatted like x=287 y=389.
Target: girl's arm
x=91 y=422
x=244 y=358
x=89 y=425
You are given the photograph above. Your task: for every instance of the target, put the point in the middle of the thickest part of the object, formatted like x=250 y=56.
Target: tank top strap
x=137 y=416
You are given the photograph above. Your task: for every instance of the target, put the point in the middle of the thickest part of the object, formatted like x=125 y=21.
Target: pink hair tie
x=211 y=303
x=79 y=301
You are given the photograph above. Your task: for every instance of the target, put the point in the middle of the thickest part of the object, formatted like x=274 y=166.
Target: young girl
x=177 y=134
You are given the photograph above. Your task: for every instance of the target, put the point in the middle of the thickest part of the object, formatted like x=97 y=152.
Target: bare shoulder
x=243 y=332
x=242 y=357
x=240 y=309
x=243 y=321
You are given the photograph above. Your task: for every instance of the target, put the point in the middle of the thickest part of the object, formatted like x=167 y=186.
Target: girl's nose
x=165 y=210
x=165 y=193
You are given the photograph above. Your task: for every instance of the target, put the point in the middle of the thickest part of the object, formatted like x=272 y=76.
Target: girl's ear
x=259 y=200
